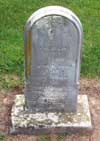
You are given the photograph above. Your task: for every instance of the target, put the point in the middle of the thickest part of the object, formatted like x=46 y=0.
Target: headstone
x=53 y=38
x=51 y=104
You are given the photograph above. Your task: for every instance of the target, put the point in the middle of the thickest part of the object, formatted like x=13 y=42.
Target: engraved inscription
x=53 y=59
x=52 y=82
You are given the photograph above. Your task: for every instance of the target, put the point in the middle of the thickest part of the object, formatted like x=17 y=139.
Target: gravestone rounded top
x=54 y=10
x=53 y=38
x=58 y=11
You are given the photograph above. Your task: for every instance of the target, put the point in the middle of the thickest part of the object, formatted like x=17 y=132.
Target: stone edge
x=85 y=130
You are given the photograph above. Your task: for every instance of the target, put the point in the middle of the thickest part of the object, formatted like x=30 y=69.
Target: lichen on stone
x=25 y=118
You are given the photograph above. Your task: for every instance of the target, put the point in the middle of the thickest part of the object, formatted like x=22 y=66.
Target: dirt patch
x=90 y=87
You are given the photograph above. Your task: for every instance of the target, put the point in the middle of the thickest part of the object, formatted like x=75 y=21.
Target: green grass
x=2 y=137
x=13 y=16
x=44 y=138
x=9 y=81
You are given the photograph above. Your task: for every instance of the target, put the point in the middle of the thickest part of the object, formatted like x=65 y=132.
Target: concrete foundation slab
x=26 y=122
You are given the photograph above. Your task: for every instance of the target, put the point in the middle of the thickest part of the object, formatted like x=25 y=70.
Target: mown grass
x=2 y=137
x=13 y=16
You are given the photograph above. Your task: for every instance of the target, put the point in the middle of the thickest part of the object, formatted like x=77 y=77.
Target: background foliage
x=13 y=16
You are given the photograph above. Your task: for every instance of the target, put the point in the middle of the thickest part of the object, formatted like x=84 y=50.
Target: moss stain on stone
x=41 y=120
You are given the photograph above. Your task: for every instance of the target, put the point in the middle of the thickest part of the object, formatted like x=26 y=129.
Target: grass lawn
x=13 y=16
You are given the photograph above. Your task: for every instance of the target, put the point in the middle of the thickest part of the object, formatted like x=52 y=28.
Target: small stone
x=81 y=120
x=8 y=102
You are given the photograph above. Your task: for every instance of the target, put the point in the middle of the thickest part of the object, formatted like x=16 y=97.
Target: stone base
x=25 y=122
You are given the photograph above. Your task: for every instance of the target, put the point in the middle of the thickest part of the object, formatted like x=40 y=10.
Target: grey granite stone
x=53 y=42
x=25 y=122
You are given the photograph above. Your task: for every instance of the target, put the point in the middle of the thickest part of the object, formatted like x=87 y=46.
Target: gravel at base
x=90 y=87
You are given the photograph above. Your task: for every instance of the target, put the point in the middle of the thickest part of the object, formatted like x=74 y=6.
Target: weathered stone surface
x=53 y=41
x=52 y=50
x=24 y=122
